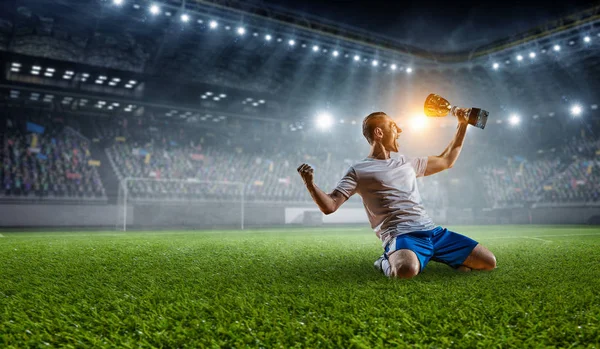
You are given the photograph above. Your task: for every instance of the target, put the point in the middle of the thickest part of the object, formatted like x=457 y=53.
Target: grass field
x=293 y=288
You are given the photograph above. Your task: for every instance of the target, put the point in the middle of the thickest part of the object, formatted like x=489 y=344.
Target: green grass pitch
x=293 y=288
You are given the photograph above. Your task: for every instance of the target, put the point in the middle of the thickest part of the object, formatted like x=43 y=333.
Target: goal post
x=178 y=195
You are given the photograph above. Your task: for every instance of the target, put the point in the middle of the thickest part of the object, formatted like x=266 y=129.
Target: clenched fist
x=306 y=172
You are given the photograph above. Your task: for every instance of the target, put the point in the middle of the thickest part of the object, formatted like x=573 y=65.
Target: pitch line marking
x=537 y=237
x=1 y=236
x=534 y=238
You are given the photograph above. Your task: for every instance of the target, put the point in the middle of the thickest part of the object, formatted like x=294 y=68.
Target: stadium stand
x=52 y=162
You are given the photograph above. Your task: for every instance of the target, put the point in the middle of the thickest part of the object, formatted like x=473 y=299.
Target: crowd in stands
x=50 y=161
x=174 y=162
x=267 y=169
x=570 y=174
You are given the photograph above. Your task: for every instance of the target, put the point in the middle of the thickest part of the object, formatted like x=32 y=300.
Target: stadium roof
x=307 y=63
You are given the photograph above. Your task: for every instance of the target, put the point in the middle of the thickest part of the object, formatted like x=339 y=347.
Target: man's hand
x=462 y=115
x=306 y=172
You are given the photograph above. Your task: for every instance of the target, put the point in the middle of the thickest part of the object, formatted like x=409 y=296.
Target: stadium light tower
x=324 y=121
x=514 y=119
x=576 y=110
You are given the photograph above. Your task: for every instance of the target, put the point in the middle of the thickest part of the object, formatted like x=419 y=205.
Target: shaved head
x=372 y=121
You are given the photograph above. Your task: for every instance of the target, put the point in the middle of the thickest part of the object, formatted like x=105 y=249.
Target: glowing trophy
x=437 y=106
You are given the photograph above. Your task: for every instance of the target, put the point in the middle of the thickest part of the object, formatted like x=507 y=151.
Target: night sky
x=439 y=25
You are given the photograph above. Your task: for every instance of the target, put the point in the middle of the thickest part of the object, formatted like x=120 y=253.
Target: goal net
x=179 y=203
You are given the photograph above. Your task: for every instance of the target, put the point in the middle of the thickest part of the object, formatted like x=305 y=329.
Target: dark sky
x=452 y=25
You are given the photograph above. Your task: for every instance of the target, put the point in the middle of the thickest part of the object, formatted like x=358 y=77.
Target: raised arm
x=328 y=203
x=449 y=156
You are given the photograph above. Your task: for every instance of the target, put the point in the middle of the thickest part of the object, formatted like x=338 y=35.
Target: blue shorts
x=438 y=244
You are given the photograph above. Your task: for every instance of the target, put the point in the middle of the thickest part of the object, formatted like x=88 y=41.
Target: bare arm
x=328 y=203
x=449 y=156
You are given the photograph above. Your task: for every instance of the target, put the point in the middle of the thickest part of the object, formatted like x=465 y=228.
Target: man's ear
x=378 y=132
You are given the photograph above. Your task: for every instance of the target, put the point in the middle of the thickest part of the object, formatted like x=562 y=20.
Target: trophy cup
x=437 y=106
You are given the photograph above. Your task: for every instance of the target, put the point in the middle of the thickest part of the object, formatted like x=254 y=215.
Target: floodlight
x=587 y=39
x=393 y=67
x=185 y=18
x=374 y=63
x=154 y=9
x=556 y=48
x=576 y=110
x=213 y=24
x=118 y=2
x=291 y=42
x=514 y=119
x=335 y=53
x=268 y=37
x=496 y=66
x=315 y=48
x=241 y=31
x=408 y=70
x=357 y=58
x=532 y=55
x=519 y=58
x=324 y=121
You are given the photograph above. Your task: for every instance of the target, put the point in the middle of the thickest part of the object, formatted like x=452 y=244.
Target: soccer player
x=391 y=198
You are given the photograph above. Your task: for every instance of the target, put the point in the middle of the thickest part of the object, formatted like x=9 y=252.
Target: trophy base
x=478 y=117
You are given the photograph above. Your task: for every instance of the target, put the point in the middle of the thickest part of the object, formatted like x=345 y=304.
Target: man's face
x=391 y=132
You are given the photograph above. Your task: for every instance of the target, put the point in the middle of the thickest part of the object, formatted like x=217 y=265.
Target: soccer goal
x=179 y=203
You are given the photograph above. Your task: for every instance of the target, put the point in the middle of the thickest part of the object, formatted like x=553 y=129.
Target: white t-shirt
x=390 y=194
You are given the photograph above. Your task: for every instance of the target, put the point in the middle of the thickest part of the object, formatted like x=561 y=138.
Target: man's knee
x=489 y=262
x=481 y=259
x=404 y=270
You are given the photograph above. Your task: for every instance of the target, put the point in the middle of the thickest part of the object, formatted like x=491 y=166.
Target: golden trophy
x=437 y=106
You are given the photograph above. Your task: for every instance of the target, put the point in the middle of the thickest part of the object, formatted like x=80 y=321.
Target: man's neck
x=379 y=152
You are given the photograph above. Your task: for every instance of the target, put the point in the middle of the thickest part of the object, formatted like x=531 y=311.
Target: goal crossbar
x=124 y=192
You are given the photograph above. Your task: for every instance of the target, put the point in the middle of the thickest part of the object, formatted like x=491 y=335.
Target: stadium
x=151 y=194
